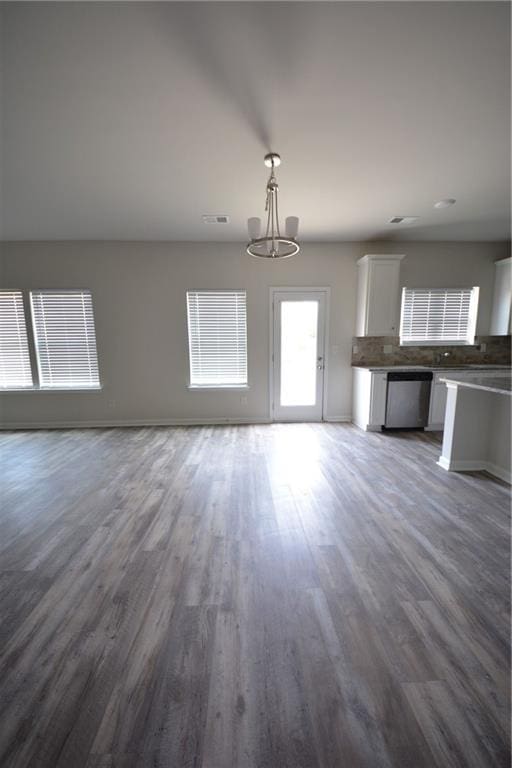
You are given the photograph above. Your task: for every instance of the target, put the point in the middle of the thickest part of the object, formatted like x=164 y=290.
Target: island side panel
x=500 y=438
x=467 y=428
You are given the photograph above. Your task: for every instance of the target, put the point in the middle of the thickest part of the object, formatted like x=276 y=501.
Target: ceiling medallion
x=273 y=245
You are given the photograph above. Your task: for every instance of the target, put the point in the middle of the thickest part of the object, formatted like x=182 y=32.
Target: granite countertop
x=499 y=384
x=392 y=367
x=469 y=367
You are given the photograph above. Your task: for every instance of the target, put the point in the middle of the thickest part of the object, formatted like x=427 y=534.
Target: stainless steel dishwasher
x=408 y=399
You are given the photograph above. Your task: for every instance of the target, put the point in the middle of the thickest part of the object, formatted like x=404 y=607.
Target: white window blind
x=65 y=338
x=442 y=316
x=217 y=337
x=14 y=355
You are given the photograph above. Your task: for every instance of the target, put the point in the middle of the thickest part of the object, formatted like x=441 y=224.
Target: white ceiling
x=129 y=121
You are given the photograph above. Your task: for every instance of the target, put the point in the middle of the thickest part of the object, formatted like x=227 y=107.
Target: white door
x=298 y=354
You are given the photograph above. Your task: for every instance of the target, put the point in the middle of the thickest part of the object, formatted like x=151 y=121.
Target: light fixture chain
x=267 y=208
x=277 y=215
x=273 y=229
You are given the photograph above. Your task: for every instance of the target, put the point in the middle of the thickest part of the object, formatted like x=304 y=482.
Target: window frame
x=28 y=329
x=32 y=345
x=473 y=317
x=62 y=387
x=215 y=387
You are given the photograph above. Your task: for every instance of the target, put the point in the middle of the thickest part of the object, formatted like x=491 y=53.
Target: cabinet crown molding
x=378 y=256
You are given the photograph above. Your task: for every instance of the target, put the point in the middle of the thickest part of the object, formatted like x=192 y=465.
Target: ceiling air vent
x=403 y=219
x=212 y=219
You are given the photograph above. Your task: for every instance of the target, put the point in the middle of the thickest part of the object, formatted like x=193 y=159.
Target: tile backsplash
x=386 y=350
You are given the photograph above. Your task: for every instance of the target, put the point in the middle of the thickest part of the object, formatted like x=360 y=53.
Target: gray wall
x=139 y=304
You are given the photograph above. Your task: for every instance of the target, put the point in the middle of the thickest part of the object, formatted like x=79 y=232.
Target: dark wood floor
x=250 y=597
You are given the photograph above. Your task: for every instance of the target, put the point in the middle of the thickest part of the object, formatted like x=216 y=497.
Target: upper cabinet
x=378 y=295
x=502 y=298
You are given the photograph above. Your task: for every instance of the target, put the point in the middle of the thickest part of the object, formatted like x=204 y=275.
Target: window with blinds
x=438 y=316
x=217 y=338
x=15 y=368
x=65 y=339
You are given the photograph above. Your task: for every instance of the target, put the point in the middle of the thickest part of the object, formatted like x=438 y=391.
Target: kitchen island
x=477 y=424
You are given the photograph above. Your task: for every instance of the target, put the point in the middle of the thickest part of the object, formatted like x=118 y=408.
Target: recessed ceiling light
x=445 y=203
x=209 y=218
x=403 y=219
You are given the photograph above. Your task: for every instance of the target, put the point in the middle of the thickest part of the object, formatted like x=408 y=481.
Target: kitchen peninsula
x=477 y=424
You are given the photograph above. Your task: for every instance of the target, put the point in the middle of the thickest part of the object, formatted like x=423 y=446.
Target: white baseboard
x=503 y=474
x=109 y=423
x=341 y=419
x=366 y=427
x=476 y=466
x=444 y=463
x=106 y=423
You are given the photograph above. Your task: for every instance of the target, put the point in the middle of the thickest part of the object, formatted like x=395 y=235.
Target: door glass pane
x=299 y=328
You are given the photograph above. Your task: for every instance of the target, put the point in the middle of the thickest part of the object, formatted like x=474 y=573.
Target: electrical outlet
x=387 y=349
x=111 y=403
x=243 y=399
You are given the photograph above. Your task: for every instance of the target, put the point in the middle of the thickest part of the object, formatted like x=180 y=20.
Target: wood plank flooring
x=278 y=596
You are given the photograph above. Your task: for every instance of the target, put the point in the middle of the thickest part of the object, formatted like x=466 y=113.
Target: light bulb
x=254 y=227
x=292 y=226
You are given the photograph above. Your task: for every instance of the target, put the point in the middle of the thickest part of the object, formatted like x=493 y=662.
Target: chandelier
x=273 y=245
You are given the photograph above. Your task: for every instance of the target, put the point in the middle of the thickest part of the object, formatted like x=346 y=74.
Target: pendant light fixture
x=273 y=245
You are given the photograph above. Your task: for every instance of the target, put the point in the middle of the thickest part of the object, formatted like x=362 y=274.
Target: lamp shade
x=292 y=226
x=254 y=227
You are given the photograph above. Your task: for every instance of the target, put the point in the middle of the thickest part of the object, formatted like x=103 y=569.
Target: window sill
x=17 y=390
x=444 y=343
x=216 y=388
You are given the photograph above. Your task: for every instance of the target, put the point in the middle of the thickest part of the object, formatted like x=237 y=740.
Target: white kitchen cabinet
x=369 y=399
x=378 y=295
x=437 y=407
x=502 y=298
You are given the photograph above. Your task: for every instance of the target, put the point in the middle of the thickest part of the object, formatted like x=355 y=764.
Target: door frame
x=326 y=291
